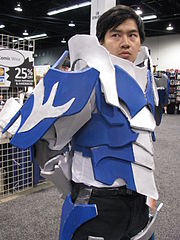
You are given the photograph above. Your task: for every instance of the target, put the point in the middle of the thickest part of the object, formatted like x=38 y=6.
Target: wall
x=165 y=51
x=48 y=56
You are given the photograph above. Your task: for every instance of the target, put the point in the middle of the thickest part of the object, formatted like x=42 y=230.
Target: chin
x=126 y=58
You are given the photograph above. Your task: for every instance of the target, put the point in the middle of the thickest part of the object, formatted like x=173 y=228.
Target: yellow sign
x=1 y=71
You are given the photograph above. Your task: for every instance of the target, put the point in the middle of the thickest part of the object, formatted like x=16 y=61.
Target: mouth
x=124 y=55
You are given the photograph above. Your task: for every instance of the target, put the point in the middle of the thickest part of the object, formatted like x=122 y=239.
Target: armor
x=112 y=105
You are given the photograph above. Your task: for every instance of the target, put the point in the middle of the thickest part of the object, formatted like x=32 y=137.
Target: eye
x=115 y=35
x=133 y=35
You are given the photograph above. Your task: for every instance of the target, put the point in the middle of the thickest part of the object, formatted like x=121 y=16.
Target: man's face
x=123 y=41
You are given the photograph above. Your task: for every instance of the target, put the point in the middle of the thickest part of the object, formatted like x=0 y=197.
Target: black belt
x=113 y=191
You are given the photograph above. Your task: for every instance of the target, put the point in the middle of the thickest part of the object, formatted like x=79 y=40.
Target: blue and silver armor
x=106 y=111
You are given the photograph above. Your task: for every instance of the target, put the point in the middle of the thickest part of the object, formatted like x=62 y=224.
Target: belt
x=113 y=191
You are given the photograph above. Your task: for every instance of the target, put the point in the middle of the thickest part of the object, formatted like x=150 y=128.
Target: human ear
x=101 y=42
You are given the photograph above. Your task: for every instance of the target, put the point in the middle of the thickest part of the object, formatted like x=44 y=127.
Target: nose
x=125 y=42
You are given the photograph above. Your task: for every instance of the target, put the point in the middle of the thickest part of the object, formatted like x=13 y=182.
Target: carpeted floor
x=36 y=215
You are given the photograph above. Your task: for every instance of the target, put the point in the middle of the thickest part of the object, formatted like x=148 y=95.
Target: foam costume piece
x=57 y=171
x=73 y=215
x=144 y=140
x=56 y=95
x=95 y=55
x=137 y=96
x=144 y=56
x=125 y=81
x=120 y=113
x=9 y=110
x=112 y=145
x=90 y=52
x=112 y=138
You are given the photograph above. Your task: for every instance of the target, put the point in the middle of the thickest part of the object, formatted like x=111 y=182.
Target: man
x=106 y=114
x=122 y=213
x=65 y=66
x=123 y=40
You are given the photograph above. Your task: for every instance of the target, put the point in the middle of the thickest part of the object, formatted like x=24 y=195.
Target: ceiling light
x=148 y=17
x=71 y=24
x=18 y=7
x=2 y=25
x=138 y=11
x=169 y=27
x=63 y=40
x=25 y=33
x=53 y=12
x=36 y=36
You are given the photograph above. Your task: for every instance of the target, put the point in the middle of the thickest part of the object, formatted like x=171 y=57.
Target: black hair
x=66 y=63
x=115 y=16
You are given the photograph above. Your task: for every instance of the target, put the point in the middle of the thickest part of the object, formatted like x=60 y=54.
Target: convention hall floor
x=36 y=214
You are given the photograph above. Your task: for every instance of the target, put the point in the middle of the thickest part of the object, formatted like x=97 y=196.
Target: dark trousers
x=121 y=213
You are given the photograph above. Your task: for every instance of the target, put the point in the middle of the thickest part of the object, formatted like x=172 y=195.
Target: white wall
x=165 y=51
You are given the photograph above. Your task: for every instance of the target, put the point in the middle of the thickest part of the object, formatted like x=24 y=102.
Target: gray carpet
x=36 y=216
x=167 y=159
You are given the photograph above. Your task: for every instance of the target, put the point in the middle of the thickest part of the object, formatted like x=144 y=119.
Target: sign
x=40 y=71
x=2 y=75
x=16 y=68
x=98 y=7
